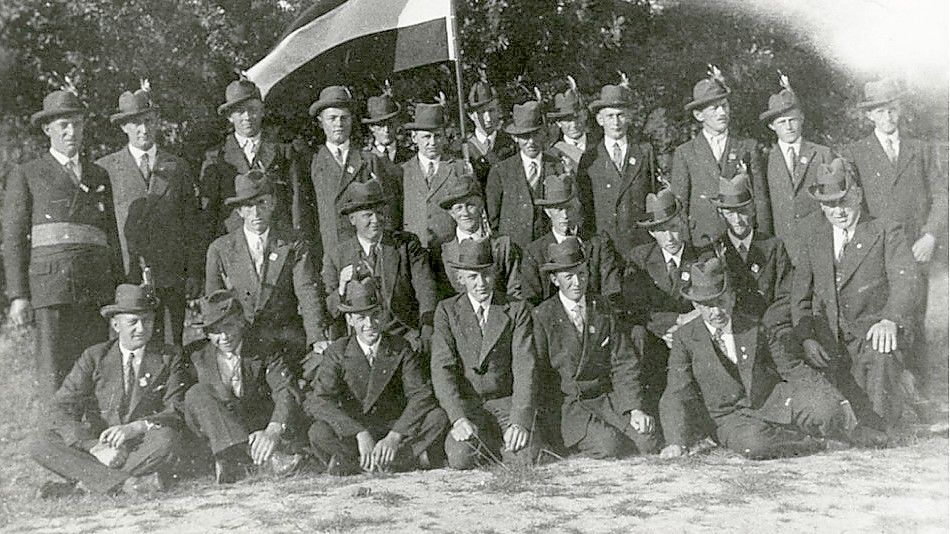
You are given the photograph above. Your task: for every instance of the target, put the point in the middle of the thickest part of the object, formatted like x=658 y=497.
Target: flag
x=335 y=36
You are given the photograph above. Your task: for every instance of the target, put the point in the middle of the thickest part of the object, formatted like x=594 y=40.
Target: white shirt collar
x=839 y=235
x=783 y=146
x=727 y=338
x=719 y=138
x=486 y=139
x=677 y=258
x=580 y=142
x=462 y=235
x=609 y=144
x=424 y=162
x=368 y=349
x=526 y=162
x=747 y=241
x=883 y=137
x=569 y=305
x=136 y=354
x=242 y=141
x=62 y=159
x=477 y=305
x=384 y=149
x=559 y=237
x=366 y=244
x=137 y=155
x=223 y=356
x=251 y=237
x=344 y=146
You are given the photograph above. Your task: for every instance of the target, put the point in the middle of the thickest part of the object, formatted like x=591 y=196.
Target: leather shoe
x=52 y=489
x=338 y=467
x=869 y=438
x=144 y=485
x=228 y=471
x=282 y=464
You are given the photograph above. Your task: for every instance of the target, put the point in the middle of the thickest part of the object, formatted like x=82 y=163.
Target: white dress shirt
x=526 y=164
x=137 y=154
x=717 y=142
x=581 y=142
x=369 y=349
x=677 y=258
x=462 y=235
x=424 y=165
x=335 y=150
x=559 y=237
x=747 y=241
x=894 y=138
x=486 y=140
x=366 y=245
x=63 y=160
x=797 y=146
x=727 y=338
x=476 y=306
x=609 y=144
x=229 y=369
x=136 y=357
x=249 y=145
x=257 y=244
x=841 y=236
x=572 y=306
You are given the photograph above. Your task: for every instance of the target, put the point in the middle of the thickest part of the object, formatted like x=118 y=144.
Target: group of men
x=379 y=309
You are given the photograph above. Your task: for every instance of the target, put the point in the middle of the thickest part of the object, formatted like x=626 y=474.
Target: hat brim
x=468 y=267
x=708 y=100
x=350 y=208
x=650 y=223
x=224 y=108
x=558 y=115
x=715 y=201
x=770 y=114
x=356 y=309
x=42 y=117
x=813 y=193
x=871 y=104
x=450 y=201
x=554 y=267
x=118 y=118
x=598 y=105
x=477 y=106
x=423 y=127
x=381 y=118
x=702 y=297
x=109 y=310
x=548 y=202
x=321 y=105
x=238 y=200
x=521 y=130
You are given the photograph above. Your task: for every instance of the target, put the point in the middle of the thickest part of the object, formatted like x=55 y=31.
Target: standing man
x=615 y=176
x=383 y=122
x=792 y=167
x=156 y=213
x=488 y=145
x=61 y=251
x=570 y=114
x=515 y=183
x=714 y=153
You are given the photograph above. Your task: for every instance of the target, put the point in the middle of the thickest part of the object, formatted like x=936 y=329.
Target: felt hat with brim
x=707 y=91
x=566 y=105
x=459 y=189
x=558 y=189
x=58 y=104
x=362 y=196
x=335 y=96
x=249 y=186
x=379 y=109
x=833 y=181
x=707 y=280
x=474 y=255
x=611 y=96
x=564 y=255
x=779 y=104
x=660 y=207
x=428 y=117
x=880 y=92
x=132 y=105
x=237 y=92
x=216 y=307
x=359 y=296
x=733 y=193
x=525 y=119
x=129 y=298
x=481 y=95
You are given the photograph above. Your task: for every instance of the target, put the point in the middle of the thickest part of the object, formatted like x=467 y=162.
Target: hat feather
x=784 y=82
x=572 y=83
x=387 y=88
x=716 y=74
x=145 y=85
x=441 y=99
x=69 y=85
x=537 y=93
x=624 y=81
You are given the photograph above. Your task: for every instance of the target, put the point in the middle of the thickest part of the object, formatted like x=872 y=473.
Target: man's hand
x=672 y=451
x=883 y=336
x=116 y=436
x=463 y=429
x=192 y=288
x=21 y=313
x=320 y=346
x=641 y=422
x=366 y=445
x=385 y=450
x=263 y=442
x=923 y=248
x=816 y=355
x=516 y=438
x=345 y=276
x=108 y=455
x=684 y=318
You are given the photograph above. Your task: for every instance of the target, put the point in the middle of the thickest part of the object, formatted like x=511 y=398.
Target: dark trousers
x=155 y=450
x=872 y=381
x=63 y=332
x=170 y=316
x=219 y=417
x=491 y=420
x=604 y=440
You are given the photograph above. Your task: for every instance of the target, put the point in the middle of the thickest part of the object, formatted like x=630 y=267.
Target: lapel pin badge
x=101 y=207
x=273 y=256
x=349 y=169
x=684 y=276
x=803 y=160
x=144 y=380
x=101 y=188
x=858 y=246
x=732 y=156
x=754 y=268
x=632 y=160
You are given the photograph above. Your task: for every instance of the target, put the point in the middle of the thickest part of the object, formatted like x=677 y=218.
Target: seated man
x=483 y=367
x=763 y=401
x=595 y=362
x=243 y=400
x=372 y=386
x=563 y=209
x=395 y=259
x=115 y=415
x=852 y=298
x=463 y=200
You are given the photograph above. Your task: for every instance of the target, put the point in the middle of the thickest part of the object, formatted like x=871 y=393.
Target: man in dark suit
x=242 y=398
x=853 y=300
x=563 y=209
x=382 y=119
x=594 y=361
x=715 y=152
x=488 y=144
x=463 y=200
x=395 y=259
x=765 y=403
x=483 y=368
x=116 y=424
x=247 y=148
x=156 y=213
x=514 y=183
x=60 y=247
x=792 y=167
x=271 y=272
x=615 y=175
x=570 y=114
x=371 y=401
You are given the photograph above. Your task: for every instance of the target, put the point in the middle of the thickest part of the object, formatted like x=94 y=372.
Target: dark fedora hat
x=360 y=296
x=238 y=91
x=132 y=105
x=462 y=187
x=733 y=193
x=480 y=95
x=564 y=255
x=779 y=104
x=216 y=307
x=558 y=189
x=880 y=92
x=249 y=186
x=660 y=207
x=362 y=195
x=709 y=90
x=611 y=96
x=833 y=181
x=707 y=280
x=335 y=96
x=129 y=298
x=380 y=108
x=58 y=104
x=474 y=255
x=525 y=118
x=428 y=117
x=566 y=104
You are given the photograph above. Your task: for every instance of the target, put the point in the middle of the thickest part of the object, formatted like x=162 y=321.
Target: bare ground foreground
x=904 y=489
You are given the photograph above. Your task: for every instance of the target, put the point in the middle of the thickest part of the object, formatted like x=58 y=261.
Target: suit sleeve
x=511 y=255
x=175 y=387
x=625 y=357
x=328 y=390
x=801 y=301
x=777 y=316
x=209 y=191
x=331 y=283
x=679 y=179
x=198 y=238
x=418 y=391
x=309 y=291
x=901 y=276
x=283 y=390
x=523 y=369
x=446 y=366
x=680 y=393
x=760 y=190
x=611 y=270
x=494 y=192
x=74 y=398
x=17 y=221
x=422 y=281
x=214 y=271
x=936 y=184
x=532 y=283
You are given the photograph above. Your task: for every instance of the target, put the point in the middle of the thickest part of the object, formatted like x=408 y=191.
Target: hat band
x=739 y=198
x=666 y=212
x=831 y=189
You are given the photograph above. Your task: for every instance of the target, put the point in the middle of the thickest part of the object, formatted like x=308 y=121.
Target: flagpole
x=457 y=50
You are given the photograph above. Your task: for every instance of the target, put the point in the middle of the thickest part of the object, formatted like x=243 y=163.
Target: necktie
x=617 y=156
x=370 y=356
x=430 y=172
x=73 y=171
x=671 y=269
x=250 y=150
x=371 y=258
x=339 y=157
x=128 y=373
x=889 y=149
x=721 y=343
x=743 y=251
x=482 y=317
x=144 y=168
x=533 y=175
x=258 y=254
x=844 y=245
x=577 y=317
x=235 y=362
x=792 y=160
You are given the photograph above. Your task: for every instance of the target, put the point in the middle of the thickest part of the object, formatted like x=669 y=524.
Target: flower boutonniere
x=754 y=268
x=349 y=169
x=803 y=160
x=144 y=380
x=732 y=156
x=632 y=161
x=684 y=276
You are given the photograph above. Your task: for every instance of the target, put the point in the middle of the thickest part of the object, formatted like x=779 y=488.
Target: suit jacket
x=290 y=287
x=912 y=191
x=604 y=268
x=510 y=202
x=401 y=155
x=788 y=194
x=353 y=396
x=648 y=288
x=92 y=396
x=695 y=177
x=596 y=371
x=483 y=159
x=40 y=192
x=508 y=268
x=158 y=220
x=763 y=282
x=404 y=278
x=470 y=367
x=875 y=280
x=421 y=213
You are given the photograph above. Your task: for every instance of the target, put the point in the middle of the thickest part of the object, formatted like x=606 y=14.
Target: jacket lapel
x=856 y=251
x=468 y=323
x=240 y=261
x=158 y=184
x=824 y=264
x=389 y=265
x=265 y=155
x=704 y=153
x=804 y=160
x=380 y=373
x=128 y=168
x=234 y=155
x=441 y=175
x=356 y=370
x=277 y=248
x=112 y=376
x=745 y=335
x=494 y=327
x=904 y=157
x=149 y=371
x=888 y=169
x=656 y=266
x=630 y=171
x=354 y=160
